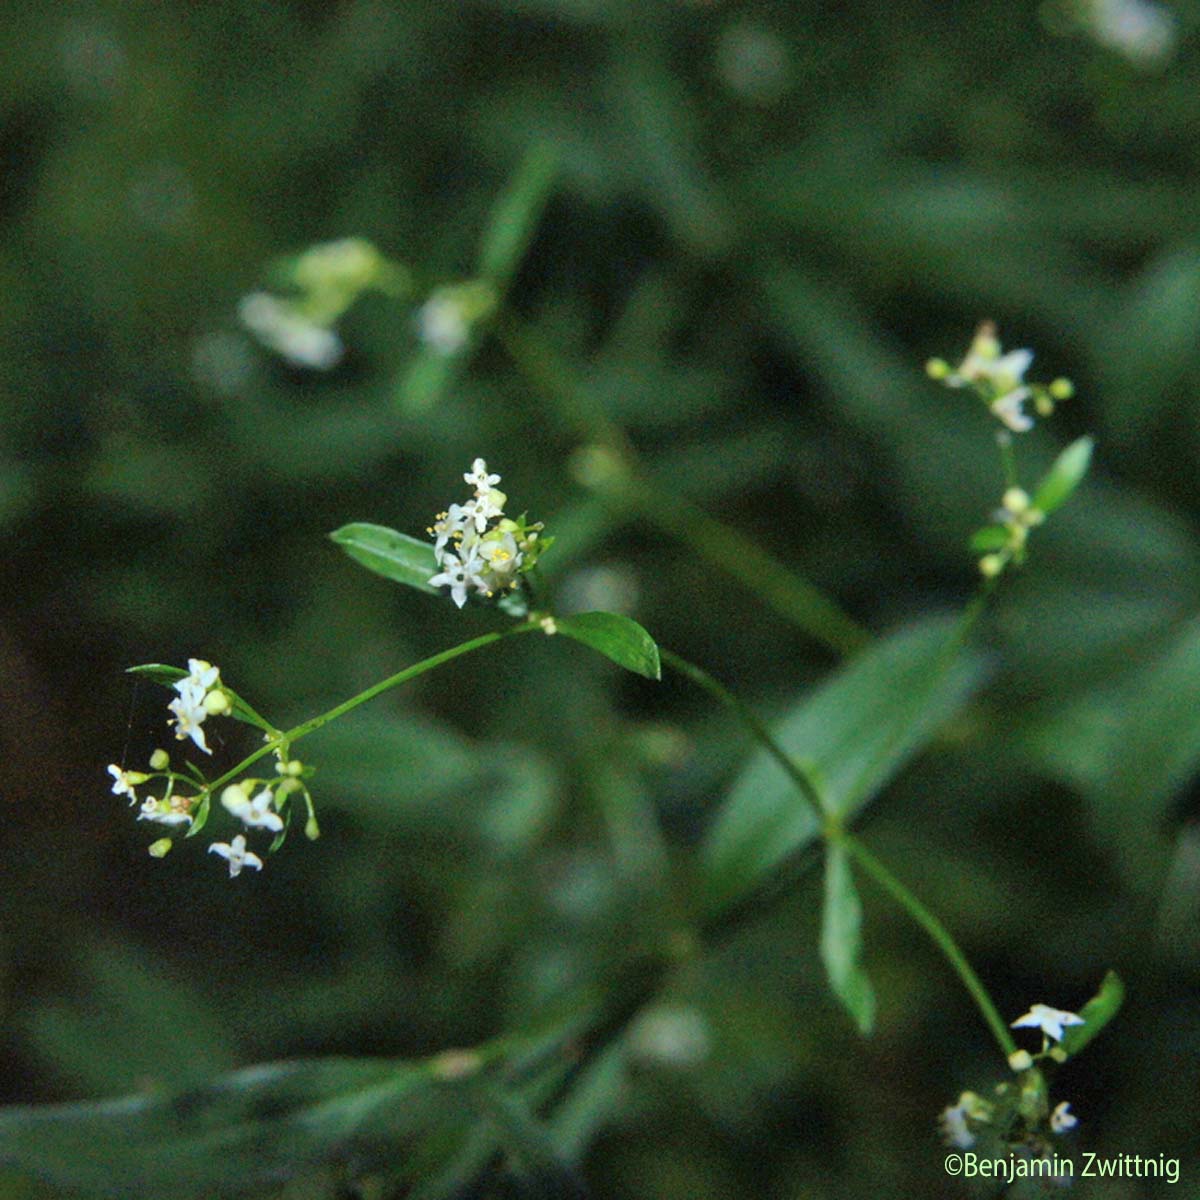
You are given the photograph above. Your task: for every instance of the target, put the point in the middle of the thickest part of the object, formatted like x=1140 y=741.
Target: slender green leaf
x=1064 y=476
x=394 y=555
x=255 y=1127
x=427 y=378
x=530 y=1143
x=1096 y=1013
x=516 y=214
x=857 y=730
x=616 y=637
x=841 y=940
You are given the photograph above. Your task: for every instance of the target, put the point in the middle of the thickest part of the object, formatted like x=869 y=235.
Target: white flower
x=236 y=854
x=125 y=781
x=985 y=364
x=202 y=676
x=479 y=478
x=1061 y=1119
x=256 y=813
x=189 y=708
x=166 y=812
x=1008 y=409
x=442 y=323
x=280 y=327
x=457 y=575
x=500 y=556
x=190 y=713
x=953 y=1123
x=954 y=1120
x=483 y=508
x=448 y=525
x=1049 y=1020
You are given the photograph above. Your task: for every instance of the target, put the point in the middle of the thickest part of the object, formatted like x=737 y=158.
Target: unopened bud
x=161 y=848
x=160 y=760
x=216 y=703
x=1020 y=1060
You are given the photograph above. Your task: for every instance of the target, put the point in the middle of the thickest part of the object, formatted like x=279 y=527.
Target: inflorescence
x=479 y=549
x=185 y=799
x=1017 y=1119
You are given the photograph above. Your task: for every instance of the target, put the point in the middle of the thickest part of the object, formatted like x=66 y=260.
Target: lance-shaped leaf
x=515 y=215
x=841 y=940
x=857 y=730
x=1064 y=476
x=252 y=1129
x=616 y=637
x=389 y=553
x=1096 y=1013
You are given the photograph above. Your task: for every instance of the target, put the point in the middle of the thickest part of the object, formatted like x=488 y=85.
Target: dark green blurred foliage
x=766 y=217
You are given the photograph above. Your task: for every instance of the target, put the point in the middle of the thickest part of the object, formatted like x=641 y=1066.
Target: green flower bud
x=312 y=830
x=160 y=760
x=161 y=848
x=937 y=368
x=1062 y=389
x=216 y=703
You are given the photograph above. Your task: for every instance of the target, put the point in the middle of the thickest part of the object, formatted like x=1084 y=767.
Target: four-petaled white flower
x=455 y=574
x=236 y=854
x=125 y=781
x=254 y=814
x=479 y=478
x=1062 y=1119
x=188 y=706
x=500 y=554
x=1008 y=408
x=448 y=525
x=201 y=675
x=190 y=713
x=1049 y=1020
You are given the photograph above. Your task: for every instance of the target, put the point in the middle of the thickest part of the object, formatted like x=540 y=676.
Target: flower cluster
x=324 y=282
x=185 y=798
x=1017 y=1118
x=999 y=379
x=200 y=696
x=479 y=549
x=1015 y=517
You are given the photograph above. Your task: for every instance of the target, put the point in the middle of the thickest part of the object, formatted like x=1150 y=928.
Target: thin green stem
x=739 y=556
x=833 y=830
x=938 y=932
x=804 y=783
x=626 y=487
x=419 y=668
x=1008 y=460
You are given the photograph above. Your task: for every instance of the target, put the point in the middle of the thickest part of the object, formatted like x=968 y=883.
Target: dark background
x=766 y=218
